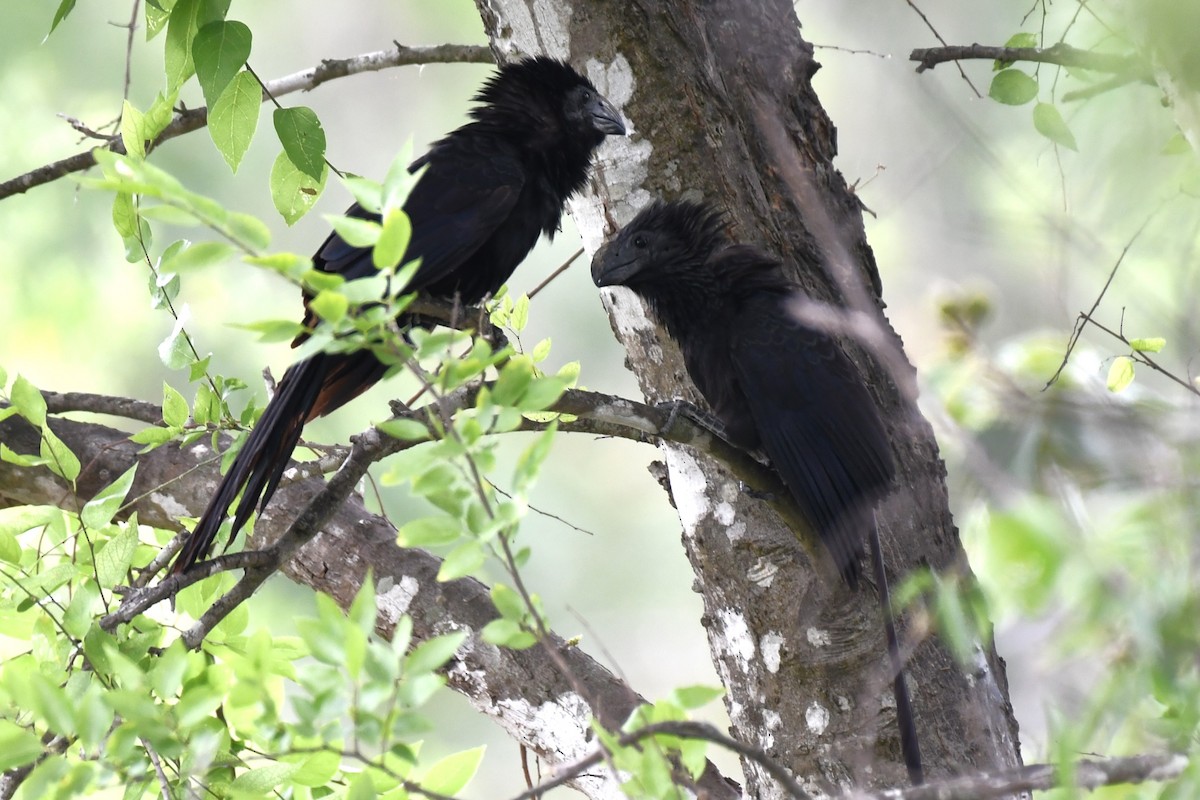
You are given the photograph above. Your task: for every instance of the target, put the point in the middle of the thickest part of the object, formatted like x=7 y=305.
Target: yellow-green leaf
x=1120 y=374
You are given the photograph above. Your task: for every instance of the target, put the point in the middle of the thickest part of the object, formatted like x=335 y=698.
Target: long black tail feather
x=909 y=745
x=260 y=464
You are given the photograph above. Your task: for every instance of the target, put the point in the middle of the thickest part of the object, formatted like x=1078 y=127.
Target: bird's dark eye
x=587 y=96
x=639 y=241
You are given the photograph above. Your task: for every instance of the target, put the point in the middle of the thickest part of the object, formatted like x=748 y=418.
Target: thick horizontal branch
x=1061 y=54
x=330 y=69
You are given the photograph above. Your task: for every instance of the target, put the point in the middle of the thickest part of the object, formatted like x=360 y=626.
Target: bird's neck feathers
x=745 y=271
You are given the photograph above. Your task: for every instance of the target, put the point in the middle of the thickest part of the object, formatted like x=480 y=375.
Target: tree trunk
x=721 y=103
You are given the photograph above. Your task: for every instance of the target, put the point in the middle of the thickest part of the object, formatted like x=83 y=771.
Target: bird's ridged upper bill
x=606 y=118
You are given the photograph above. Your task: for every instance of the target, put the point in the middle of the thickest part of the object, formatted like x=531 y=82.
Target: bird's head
x=663 y=243
x=552 y=98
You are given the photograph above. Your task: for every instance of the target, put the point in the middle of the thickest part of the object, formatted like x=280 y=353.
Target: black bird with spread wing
x=489 y=190
x=775 y=384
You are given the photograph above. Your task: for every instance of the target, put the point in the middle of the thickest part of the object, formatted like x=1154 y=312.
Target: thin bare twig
x=933 y=30
x=556 y=273
x=1077 y=331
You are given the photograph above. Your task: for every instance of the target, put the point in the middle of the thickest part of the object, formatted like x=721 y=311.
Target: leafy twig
x=196 y=118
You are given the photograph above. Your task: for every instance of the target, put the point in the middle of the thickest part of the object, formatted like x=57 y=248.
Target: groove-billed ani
x=489 y=189
x=773 y=383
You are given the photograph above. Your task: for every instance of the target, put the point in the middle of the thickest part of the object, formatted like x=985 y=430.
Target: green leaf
x=393 y=240
x=159 y=115
x=507 y=633
x=294 y=193
x=64 y=8
x=1152 y=345
x=1177 y=145
x=157 y=14
x=1013 y=87
x=234 y=117
x=542 y=393
x=407 y=430
x=274 y=330
x=1017 y=40
x=124 y=215
x=508 y=602
x=540 y=351
x=433 y=653
x=1049 y=123
x=154 y=436
x=261 y=780
x=367 y=193
x=59 y=458
x=451 y=774
x=10 y=548
x=461 y=561
x=429 y=532
x=219 y=50
x=1120 y=374
x=303 y=139
x=362 y=609
x=356 y=232
x=175 y=407
x=100 y=510
x=112 y=563
x=361 y=788
x=249 y=230
x=197 y=256
x=18 y=746
x=177 y=50
x=174 y=351
x=690 y=697
x=520 y=314
x=398 y=182
x=133 y=130
x=28 y=401
x=330 y=306
x=291 y=265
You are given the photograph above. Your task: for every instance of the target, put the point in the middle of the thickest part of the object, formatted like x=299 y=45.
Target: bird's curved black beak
x=606 y=271
x=605 y=117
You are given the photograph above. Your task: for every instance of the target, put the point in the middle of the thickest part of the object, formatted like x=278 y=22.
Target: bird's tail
x=910 y=745
x=264 y=456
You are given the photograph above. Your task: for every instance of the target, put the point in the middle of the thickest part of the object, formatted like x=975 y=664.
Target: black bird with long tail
x=488 y=191
x=774 y=383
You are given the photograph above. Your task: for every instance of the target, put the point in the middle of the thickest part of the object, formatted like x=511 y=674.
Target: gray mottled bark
x=722 y=107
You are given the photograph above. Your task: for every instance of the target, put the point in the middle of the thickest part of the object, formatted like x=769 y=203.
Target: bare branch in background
x=195 y=118
x=1061 y=54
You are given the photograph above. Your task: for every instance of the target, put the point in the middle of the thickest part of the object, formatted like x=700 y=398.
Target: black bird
x=489 y=189
x=774 y=384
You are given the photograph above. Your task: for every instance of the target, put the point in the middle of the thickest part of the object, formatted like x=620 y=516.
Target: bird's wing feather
x=815 y=420
x=464 y=196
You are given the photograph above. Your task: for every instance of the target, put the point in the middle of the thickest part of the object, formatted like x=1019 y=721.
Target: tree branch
x=1061 y=54
x=1089 y=774
x=330 y=69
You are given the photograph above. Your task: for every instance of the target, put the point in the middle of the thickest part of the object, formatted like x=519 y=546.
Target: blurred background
x=1077 y=504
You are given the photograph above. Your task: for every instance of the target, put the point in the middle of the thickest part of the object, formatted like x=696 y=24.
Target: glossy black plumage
x=489 y=189
x=774 y=383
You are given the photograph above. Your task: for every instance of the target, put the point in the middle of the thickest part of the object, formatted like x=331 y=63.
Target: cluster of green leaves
x=335 y=712
x=651 y=762
x=201 y=42
x=1079 y=539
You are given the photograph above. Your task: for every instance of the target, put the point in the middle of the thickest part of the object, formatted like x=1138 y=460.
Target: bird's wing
x=815 y=420
x=464 y=196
